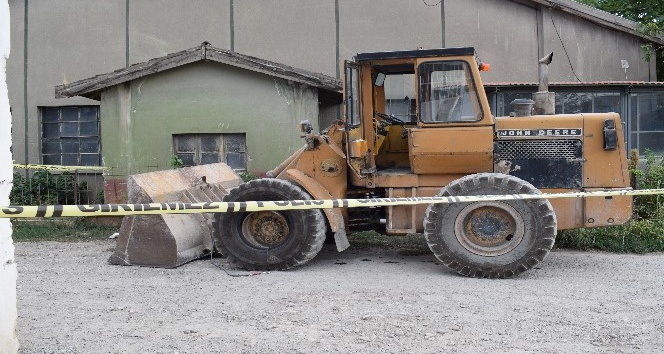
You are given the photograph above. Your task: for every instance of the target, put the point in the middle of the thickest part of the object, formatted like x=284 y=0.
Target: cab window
x=400 y=96
x=352 y=103
x=447 y=93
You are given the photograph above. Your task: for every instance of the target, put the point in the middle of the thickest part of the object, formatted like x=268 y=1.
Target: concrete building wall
x=329 y=114
x=367 y=26
x=160 y=27
x=300 y=33
x=594 y=52
x=72 y=40
x=140 y=118
x=504 y=33
x=303 y=33
x=76 y=39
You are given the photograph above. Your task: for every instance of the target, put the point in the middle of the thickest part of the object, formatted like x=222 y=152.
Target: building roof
x=578 y=84
x=598 y=17
x=92 y=87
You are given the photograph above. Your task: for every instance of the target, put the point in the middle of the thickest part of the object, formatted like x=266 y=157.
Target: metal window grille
x=70 y=136
x=200 y=149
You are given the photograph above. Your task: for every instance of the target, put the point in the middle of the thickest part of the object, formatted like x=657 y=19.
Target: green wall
x=138 y=119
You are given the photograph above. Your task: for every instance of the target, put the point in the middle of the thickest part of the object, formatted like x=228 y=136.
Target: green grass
x=637 y=236
x=63 y=230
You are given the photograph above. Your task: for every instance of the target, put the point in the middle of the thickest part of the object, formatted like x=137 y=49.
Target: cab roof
x=420 y=53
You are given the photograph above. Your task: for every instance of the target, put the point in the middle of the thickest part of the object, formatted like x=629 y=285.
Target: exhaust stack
x=545 y=101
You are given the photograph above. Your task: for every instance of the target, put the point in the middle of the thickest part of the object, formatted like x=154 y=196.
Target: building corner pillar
x=8 y=273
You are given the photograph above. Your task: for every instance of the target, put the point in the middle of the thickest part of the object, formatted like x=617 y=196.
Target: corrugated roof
x=577 y=83
x=599 y=17
x=93 y=86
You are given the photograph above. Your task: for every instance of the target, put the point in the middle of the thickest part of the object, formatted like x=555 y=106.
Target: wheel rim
x=265 y=228
x=489 y=228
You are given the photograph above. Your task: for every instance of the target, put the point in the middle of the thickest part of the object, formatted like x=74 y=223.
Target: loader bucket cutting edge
x=167 y=241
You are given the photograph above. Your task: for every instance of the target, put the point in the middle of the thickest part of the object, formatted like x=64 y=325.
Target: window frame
x=223 y=151
x=47 y=128
x=353 y=100
x=471 y=87
x=397 y=106
x=635 y=133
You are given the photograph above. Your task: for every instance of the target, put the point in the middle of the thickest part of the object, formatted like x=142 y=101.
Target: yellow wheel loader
x=418 y=124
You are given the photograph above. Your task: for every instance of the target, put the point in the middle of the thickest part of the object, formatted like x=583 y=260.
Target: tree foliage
x=648 y=13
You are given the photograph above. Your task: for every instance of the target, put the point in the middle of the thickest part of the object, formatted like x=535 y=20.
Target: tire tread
x=313 y=217
x=464 y=186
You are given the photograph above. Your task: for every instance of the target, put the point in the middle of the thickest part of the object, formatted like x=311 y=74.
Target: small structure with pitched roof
x=203 y=105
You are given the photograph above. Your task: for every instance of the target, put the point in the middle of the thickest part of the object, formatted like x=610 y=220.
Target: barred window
x=200 y=149
x=70 y=136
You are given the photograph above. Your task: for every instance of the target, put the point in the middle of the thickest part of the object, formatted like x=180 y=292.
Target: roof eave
x=92 y=87
x=270 y=68
x=599 y=17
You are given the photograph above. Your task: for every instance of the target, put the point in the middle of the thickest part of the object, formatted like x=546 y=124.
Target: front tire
x=269 y=240
x=490 y=239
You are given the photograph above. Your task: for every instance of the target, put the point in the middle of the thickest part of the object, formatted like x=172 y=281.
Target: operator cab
x=403 y=107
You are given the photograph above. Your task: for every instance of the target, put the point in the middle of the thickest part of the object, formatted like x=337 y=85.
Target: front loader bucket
x=170 y=240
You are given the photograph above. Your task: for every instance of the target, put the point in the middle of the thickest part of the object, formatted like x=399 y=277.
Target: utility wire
x=436 y=4
x=563 y=44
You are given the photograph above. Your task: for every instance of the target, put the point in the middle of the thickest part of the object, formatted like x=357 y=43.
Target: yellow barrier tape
x=222 y=207
x=58 y=167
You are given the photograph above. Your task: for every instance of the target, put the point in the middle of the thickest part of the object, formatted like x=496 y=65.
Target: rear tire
x=490 y=239
x=269 y=240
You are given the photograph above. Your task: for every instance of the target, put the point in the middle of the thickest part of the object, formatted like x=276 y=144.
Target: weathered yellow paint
x=325 y=163
x=603 y=168
x=393 y=152
x=452 y=150
x=606 y=211
x=317 y=191
x=419 y=159
x=322 y=171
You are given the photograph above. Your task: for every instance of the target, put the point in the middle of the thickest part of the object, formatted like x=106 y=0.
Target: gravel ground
x=71 y=301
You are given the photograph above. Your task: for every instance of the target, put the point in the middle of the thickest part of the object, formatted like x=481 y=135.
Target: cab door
x=356 y=145
x=455 y=128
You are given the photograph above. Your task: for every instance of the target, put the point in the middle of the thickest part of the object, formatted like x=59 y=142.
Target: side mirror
x=380 y=79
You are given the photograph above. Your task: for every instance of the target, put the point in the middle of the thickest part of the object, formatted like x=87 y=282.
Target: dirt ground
x=71 y=301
